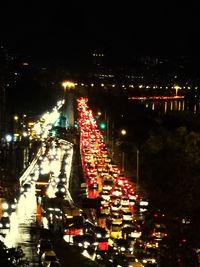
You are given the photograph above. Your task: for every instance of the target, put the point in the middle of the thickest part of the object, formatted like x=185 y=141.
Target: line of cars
x=116 y=191
x=122 y=210
x=7 y=207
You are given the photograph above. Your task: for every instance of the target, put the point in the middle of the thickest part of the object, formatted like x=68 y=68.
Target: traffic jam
x=122 y=210
x=111 y=231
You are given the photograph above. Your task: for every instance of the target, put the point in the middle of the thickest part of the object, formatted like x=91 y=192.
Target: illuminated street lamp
x=69 y=113
x=123 y=132
x=176 y=87
x=16 y=118
x=68 y=85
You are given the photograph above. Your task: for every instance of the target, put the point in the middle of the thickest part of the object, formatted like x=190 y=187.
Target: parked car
x=5 y=223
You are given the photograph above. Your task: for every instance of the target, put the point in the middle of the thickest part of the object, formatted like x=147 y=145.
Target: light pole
x=176 y=87
x=69 y=101
x=67 y=85
x=15 y=132
x=123 y=132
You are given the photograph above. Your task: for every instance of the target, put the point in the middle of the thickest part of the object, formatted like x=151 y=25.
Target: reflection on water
x=165 y=106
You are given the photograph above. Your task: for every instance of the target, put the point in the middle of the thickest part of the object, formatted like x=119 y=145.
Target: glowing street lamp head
x=176 y=87
x=68 y=84
x=123 y=132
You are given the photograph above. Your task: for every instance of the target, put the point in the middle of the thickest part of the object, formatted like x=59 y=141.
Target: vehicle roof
x=49 y=253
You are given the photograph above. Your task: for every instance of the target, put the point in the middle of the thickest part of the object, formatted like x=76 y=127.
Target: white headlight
x=5 y=206
x=13 y=206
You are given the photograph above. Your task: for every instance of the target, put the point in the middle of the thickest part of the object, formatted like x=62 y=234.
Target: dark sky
x=61 y=29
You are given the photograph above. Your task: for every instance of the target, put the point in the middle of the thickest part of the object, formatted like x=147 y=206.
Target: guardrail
x=26 y=173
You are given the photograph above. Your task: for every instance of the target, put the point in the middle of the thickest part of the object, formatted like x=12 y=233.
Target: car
x=116 y=230
x=9 y=205
x=133 y=261
x=98 y=232
x=126 y=260
x=159 y=231
x=84 y=241
x=126 y=214
x=122 y=246
x=101 y=236
x=116 y=206
x=5 y=223
x=132 y=232
x=48 y=257
x=116 y=218
x=105 y=195
x=108 y=184
x=44 y=245
x=105 y=210
x=26 y=188
x=124 y=201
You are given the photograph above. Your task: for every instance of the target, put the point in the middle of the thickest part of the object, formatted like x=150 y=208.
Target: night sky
x=65 y=31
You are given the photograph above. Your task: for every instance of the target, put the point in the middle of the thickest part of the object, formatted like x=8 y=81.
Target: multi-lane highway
x=107 y=224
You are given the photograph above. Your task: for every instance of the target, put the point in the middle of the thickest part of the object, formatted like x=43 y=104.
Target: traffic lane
x=69 y=256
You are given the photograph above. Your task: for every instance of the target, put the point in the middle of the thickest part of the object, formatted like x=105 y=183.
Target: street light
x=16 y=118
x=68 y=85
x=15 y=128
x=176 y=87
x=123 y=132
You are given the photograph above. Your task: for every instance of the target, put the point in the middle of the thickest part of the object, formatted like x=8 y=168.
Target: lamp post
x=176 y=87
x=15 y=130
x=123 y=132
x=69 y=101
x=67 y=85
